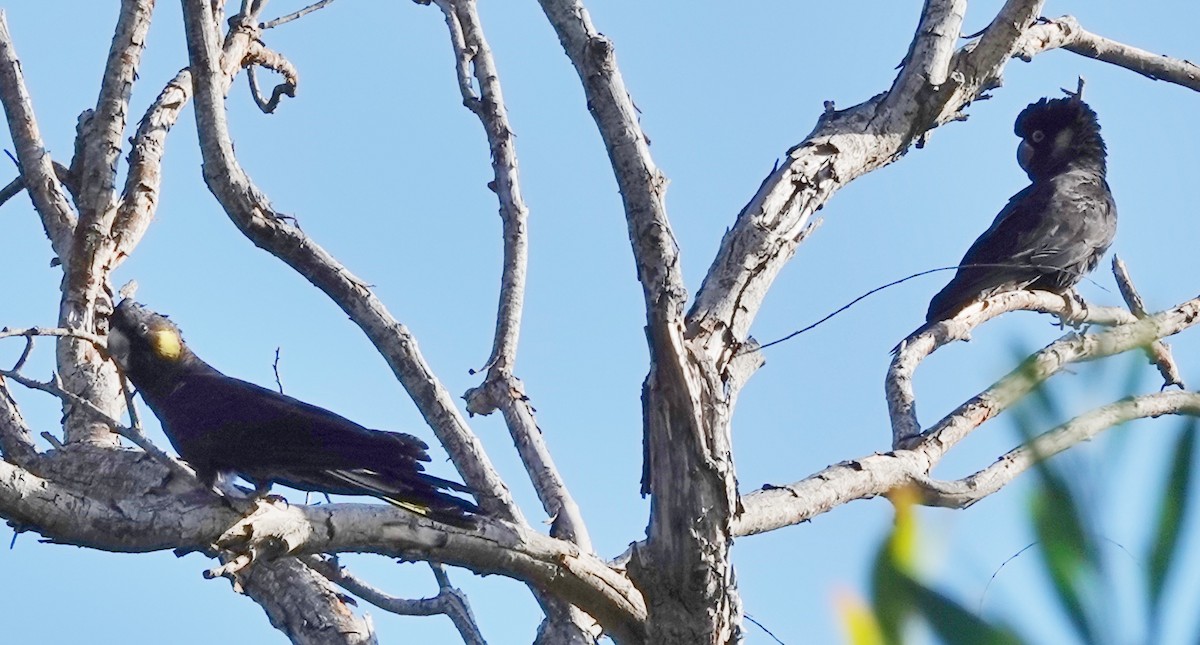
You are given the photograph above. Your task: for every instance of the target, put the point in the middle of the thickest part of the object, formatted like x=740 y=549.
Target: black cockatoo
x=219 y=424
x=1055 y=230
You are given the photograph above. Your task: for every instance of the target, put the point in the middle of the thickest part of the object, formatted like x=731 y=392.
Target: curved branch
x=1158 y=352
x=450 y=601
x=844 y=146
x=473 y=56
x=139 y=199
x=258 y=55
x=1065 y=32
x=58 y=218
x=102 y=137
x=1072 y=348
x=643 y=186
x=774 y=507
x=898 y=386
x=118 y=500
x=250 y=211
x=500 y=389
x=968 y=490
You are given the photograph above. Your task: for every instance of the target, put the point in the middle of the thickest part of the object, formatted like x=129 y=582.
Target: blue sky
x=381 y=164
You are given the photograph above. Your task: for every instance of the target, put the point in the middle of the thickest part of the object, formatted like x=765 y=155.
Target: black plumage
x=222 y=424
x=1055 y=230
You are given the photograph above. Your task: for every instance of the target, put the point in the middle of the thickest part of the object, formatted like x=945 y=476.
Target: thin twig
x=966 y=491
x=500 y=389
x=24 y=354
x=283 y=20
x=259 y=55
x=135 y=420
x=98 y=341
x=449 y=600
x=248 y=207
x=15 y=186
x=275 y=367
x=133 y=434
x=473 y=57
x=1158 y=352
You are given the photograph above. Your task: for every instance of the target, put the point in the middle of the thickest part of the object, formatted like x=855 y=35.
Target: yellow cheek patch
x=166 y=344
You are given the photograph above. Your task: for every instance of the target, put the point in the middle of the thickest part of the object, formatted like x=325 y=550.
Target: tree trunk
x=683 y=569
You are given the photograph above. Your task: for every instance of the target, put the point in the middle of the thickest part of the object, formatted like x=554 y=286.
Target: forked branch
x=501 y=389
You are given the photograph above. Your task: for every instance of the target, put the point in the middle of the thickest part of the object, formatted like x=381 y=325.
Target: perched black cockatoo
x=222 y=424
x=1055 y=230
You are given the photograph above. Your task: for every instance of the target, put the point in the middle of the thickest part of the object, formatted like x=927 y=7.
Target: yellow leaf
x=858 y=621
x=902 y=543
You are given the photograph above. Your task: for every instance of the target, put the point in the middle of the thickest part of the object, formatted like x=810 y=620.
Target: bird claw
x=1075 y=314
x=272 y=498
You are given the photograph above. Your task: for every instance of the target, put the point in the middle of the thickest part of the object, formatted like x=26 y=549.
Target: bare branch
x=493 y=547
x=844 y=146
x=304 y=605
x=774 y=507
x=59 y=332
x=259 y=55
x=914 y=349
x=133 y=433
x=139 y=200
x=932 y=47
x=283 y=20
x=58 y=218
x=102 y=137
x=14 y=187
x=1158 y=352
x=643 y=186
x=16 y=441
x=249 y=209
x=506 y=393
x=1072 y=348
x=449 y=600
x=777 y=506
x=500 y=388
x=983 y=61
x=964 y=492
x=120 y=501
x=473 y=54
x=1065 y=32
x=86 y=292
